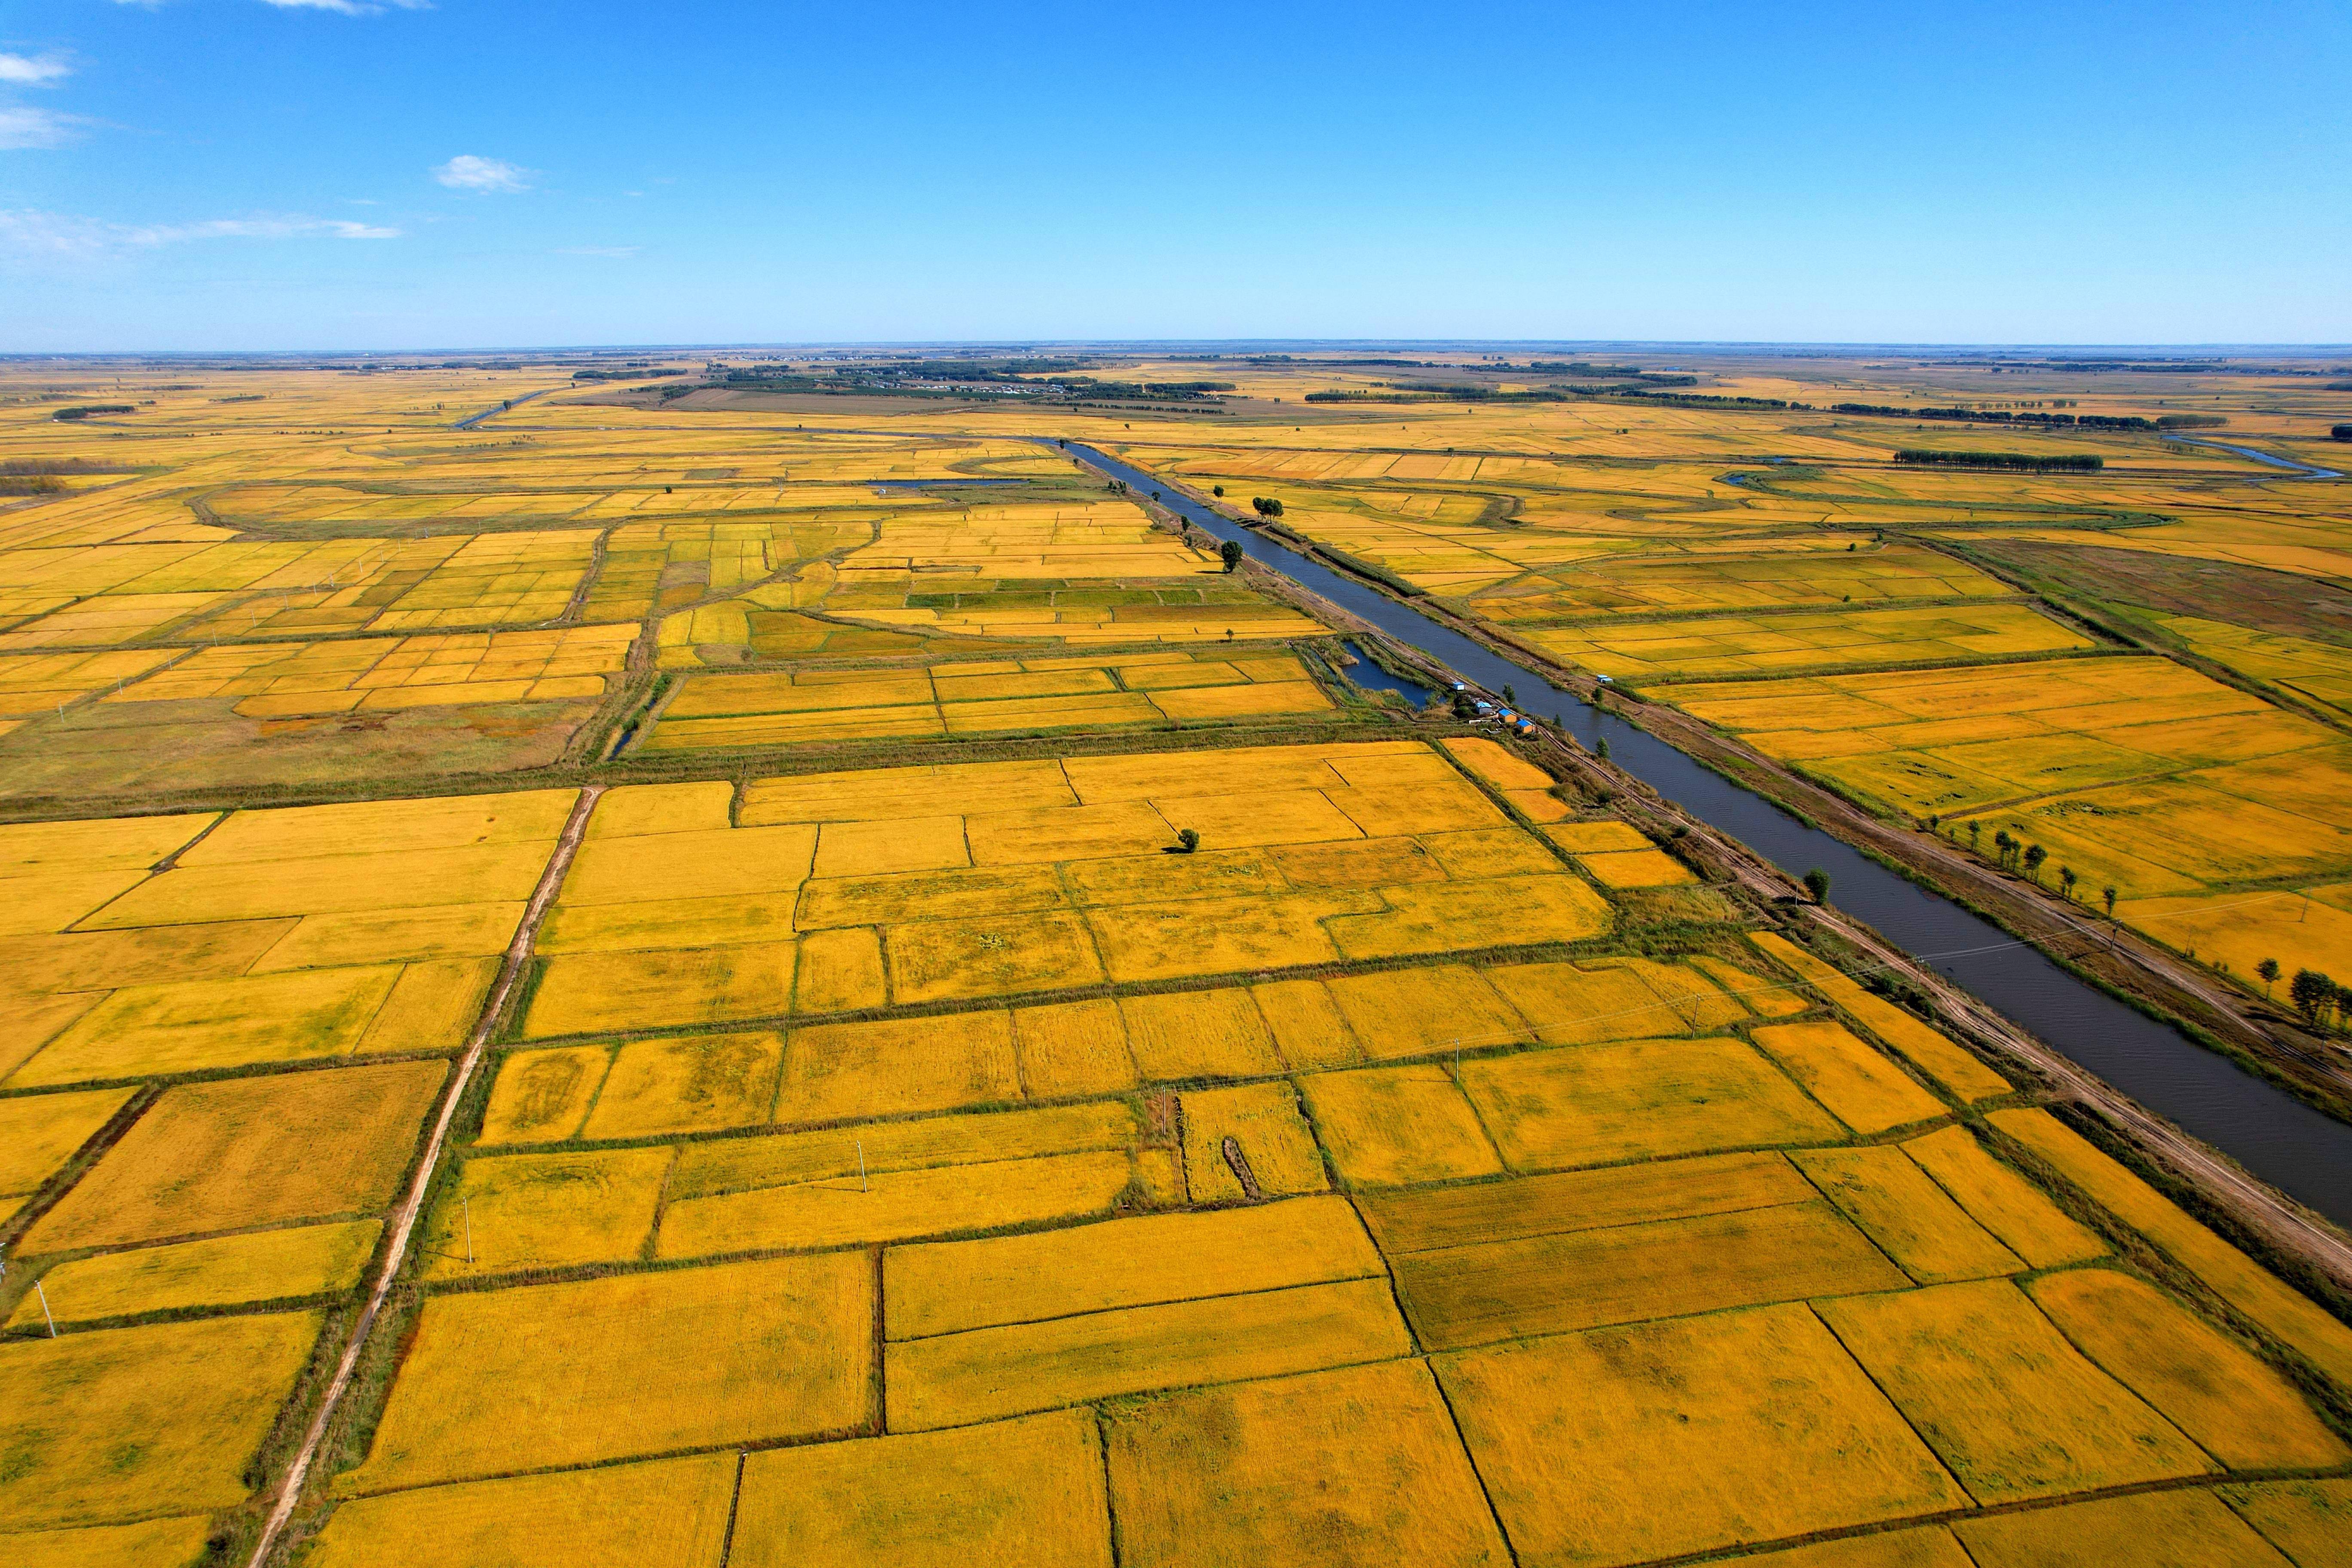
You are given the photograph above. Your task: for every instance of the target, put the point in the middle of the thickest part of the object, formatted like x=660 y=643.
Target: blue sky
x=343 y=173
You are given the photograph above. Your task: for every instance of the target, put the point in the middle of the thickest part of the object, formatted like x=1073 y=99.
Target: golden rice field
x=1664 y=649
x=277 y=680
x=1776 y=574
x=979 y=697
x=940 y=1163
x=323 y=604
x=2219 y=819
x=971 y=882
x=2315 y=671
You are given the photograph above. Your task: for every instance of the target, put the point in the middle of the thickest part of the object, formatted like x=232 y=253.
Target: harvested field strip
x=1478 y=1294
x=981 y=1373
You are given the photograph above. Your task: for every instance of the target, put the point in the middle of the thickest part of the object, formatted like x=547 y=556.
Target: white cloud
x=259 y=228
x=467 y=173
x=27 y=231
x=21 y=127
x=32 y=70
x=340 y=7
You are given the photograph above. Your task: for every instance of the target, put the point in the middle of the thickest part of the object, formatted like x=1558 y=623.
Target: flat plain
x=894 y=1143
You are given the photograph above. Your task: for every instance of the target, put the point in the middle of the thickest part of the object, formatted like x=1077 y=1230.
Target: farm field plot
x=932 y=1164
x=1652 y=651
x=278 y=681
x=973 y=882
x=2318 y=671
x=277 y=936
x=982 y=696
x=1799 y=573
x=2216 y=815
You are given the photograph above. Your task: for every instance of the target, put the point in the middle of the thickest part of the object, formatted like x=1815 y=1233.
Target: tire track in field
x=404 y=1218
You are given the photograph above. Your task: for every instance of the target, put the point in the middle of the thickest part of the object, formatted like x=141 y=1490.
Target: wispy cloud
x=28 y=231
x=484 y=175
x=21 y=127
x=33 y=71
x=617 y=252
x=343 y=8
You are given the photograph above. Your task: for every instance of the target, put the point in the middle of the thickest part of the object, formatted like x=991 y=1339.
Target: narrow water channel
x=2273 y=1134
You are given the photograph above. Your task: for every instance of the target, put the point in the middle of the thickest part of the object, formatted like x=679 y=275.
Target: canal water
x=2273 y=1134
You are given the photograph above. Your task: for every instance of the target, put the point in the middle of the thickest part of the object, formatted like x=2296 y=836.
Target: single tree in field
x=2108 y=893
x=2001 y=844
x=2035 y=856
x=2269 y=969
x=2066 y=881
x=1817 y=883
x=1975 y=834
x=1230 y=552
x=2312 y=993
x=1216 y=489
x=1188 y=839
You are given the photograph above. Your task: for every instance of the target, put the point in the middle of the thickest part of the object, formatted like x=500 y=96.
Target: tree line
x=1999 y=416
x=2023 y=462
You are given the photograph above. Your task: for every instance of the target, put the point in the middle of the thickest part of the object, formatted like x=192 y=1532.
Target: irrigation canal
x=2286 y=1143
